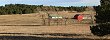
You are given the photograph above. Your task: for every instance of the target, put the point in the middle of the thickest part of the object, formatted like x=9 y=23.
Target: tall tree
x=103 y=12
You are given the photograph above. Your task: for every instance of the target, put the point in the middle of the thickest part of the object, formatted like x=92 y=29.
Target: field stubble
x=30 y=25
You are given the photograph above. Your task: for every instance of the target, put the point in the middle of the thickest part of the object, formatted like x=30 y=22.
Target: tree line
x=25 y=9
x=103 y=12
x=102 y=19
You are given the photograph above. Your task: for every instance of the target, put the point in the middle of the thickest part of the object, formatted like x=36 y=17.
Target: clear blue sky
x=53 y=2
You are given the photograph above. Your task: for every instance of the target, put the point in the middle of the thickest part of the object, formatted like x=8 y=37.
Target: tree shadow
x=51 y=34
x=100 y=29
x=42 y=38
x=35 y=38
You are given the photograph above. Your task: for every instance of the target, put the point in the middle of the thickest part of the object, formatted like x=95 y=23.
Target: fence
x=63 y=21
x=48 y=20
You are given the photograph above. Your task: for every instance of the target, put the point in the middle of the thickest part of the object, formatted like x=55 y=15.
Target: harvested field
x=34 y=19
x=48 y=32
x=29 y=27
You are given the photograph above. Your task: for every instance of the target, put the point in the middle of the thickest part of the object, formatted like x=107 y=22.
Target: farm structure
x=84 y=18
x=55 y=19
x=81 y=17
x=55 y=16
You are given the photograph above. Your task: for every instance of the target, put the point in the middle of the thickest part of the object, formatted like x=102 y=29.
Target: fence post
x=57 y=22
x=49 y=21
x=65 y=21
x=43 y=19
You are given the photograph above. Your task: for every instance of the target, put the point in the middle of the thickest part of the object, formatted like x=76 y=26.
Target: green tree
x=103 y=12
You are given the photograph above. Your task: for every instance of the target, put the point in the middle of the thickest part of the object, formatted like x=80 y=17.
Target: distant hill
x=25 y=9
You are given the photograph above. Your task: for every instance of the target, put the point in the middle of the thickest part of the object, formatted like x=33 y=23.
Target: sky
x=64 y=3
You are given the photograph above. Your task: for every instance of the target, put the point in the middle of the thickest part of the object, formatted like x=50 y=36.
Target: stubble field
x=29 y=27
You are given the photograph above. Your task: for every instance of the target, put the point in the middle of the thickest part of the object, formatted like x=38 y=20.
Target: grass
x=32 y=24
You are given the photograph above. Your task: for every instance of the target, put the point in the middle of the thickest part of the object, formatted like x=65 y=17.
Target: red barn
x=79 y=17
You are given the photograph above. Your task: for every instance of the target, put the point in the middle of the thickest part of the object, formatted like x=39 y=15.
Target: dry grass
x=45 y=29
x=12 y=24
x=26 y=19
x=29 y=24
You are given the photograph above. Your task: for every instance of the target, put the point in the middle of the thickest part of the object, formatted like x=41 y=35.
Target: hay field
x=25 y=19
x=27 y=23
x=30 y=25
